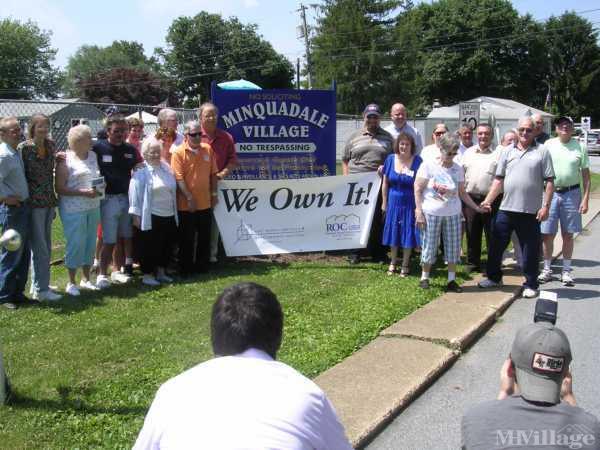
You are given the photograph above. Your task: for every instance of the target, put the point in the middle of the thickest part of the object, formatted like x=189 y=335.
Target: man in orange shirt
x=195 y=168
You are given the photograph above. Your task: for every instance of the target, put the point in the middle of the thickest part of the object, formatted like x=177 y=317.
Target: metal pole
x=306 y=43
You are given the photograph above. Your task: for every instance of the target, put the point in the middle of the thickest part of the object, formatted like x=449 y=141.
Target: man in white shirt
x=243 y=398
x=400 y=125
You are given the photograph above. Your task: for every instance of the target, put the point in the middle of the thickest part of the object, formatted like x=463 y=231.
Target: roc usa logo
x=342 y=224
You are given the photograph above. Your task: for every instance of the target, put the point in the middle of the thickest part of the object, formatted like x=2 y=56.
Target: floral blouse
x=39 y=173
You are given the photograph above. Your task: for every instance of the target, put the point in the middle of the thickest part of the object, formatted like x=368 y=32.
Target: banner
x=270 y=217
x=279 y=133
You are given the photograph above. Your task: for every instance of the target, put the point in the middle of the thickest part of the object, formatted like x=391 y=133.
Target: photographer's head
x=246 y=315
x=541 y=355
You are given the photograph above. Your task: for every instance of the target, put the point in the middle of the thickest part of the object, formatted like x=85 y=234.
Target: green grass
x=85 y=370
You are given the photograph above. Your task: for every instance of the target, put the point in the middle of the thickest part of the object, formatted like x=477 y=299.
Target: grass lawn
x=85 y=370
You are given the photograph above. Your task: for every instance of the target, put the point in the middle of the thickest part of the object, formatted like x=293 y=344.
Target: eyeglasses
x=195 y=135
x=525 y=130
x=439 y=133
x=452 y=154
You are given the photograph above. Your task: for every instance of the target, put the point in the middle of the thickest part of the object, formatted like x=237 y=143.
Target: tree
x=25 y=61
x=453 y=50
x=126 y=85
x=352 y=47
x=573 y=65
x=206 y=47
x=92 y=66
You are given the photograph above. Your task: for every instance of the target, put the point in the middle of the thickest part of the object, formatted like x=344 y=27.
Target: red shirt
x=223 y=146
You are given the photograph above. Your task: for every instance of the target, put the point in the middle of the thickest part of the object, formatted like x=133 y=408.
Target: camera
x=546 y=307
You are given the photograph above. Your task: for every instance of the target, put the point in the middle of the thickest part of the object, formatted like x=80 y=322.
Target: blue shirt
x=12 y=173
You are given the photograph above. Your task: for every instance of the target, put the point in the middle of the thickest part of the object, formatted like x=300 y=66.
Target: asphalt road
x=433 y=420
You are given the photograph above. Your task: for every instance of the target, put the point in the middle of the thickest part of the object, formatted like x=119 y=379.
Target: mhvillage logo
x=570 y=436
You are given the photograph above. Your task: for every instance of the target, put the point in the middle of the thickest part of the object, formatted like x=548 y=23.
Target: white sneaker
x=102 y=282
x=567 y=279
x=529 y=293
x=87 y=284
x=486 y=283
x=149 y=280
x=121 y=278
x=213 y=260
x=71 y=289
x=545 y=276
x=46 y=296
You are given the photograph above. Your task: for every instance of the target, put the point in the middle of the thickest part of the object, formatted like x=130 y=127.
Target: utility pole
x=302 y=11
x=297 y=73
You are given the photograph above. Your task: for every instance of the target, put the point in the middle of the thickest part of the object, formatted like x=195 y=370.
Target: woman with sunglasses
x=439 y=189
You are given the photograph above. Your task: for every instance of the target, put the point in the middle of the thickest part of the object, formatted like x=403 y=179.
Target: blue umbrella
x=238 y=84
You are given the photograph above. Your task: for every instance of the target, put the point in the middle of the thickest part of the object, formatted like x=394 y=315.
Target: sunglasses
x=439 y=133
x=452 y=154
x=525 y=130
x=195 y=135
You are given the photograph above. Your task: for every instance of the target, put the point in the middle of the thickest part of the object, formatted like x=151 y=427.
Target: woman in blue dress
x=398 y=204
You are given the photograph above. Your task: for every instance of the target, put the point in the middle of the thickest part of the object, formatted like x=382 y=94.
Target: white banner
x=264 y=217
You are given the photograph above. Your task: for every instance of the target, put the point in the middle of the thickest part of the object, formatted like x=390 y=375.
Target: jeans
x=14 y=266
x=527 y=229
x=41 y=247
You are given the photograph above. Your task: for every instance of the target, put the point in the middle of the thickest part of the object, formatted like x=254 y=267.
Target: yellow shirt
x=195 y=168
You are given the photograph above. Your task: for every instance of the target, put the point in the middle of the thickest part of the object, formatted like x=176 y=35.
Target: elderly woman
x=79 y=186
x=398 y=202
x=38 y=154
x=432 y=151
x=439 y=187
x=153 y=206
x=167 y=133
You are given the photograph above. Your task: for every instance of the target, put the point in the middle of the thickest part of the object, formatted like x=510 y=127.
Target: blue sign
x=279 y=133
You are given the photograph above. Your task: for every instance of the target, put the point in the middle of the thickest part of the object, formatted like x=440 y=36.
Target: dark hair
x=406 y=136
x=114 y=119
x=246 y=315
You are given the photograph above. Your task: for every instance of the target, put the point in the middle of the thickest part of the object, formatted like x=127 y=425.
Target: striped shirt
x=365 y=152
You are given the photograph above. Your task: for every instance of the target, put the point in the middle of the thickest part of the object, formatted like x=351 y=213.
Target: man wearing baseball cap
x=571 y=166
x=365 y=151
x=535 y=406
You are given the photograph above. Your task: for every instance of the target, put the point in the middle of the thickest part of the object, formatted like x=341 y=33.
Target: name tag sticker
x=410 y=173
x=107 y=158
x=128 y=155
x=206 y=158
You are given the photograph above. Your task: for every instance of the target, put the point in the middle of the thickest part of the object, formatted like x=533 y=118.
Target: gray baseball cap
x=541 y=354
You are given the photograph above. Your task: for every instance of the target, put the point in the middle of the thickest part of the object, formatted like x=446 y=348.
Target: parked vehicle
x=593 y=143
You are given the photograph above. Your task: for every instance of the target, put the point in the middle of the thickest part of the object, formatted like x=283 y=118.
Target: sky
x=75 y=23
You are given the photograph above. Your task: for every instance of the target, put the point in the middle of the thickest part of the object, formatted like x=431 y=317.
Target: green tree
x=207 y=48
x=125 y=85
x=453 y=50
x=91 y=63
x=573 y=65
x=352 y=47
x=26 y=61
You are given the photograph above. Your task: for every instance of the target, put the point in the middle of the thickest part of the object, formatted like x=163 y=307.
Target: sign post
x=586 y=123
x=469 y=113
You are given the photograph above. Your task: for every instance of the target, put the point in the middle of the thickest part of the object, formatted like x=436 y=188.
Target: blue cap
x=372 y=110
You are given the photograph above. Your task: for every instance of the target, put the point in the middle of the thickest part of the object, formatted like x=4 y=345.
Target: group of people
x=520 y=190
x=122 y=200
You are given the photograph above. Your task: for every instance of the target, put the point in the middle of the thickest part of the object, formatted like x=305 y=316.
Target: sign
x=286 y=216
x=586 y=123
x=279 y=133
x=469 y=113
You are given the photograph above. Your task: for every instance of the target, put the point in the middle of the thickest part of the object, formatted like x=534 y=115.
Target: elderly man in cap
x=535 y=405
x=365 y=151
x=400 y=125
x=571 y=165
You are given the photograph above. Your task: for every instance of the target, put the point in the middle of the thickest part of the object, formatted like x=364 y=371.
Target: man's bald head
x=398 y=114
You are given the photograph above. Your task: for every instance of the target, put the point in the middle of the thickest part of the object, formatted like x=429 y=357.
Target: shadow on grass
x=75 y=405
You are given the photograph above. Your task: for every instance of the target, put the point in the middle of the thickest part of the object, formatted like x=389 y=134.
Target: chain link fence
x=65 y=114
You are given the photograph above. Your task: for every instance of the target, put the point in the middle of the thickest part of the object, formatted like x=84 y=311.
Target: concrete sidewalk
x=373 y=385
